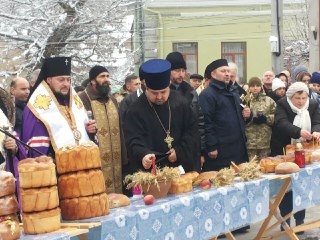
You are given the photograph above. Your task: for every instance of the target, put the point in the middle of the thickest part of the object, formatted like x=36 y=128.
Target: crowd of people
x=198 y=123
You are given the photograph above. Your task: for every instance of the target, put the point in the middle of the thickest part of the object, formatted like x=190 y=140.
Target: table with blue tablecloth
x=66 y=232
x=306 y=193
x=200 y=214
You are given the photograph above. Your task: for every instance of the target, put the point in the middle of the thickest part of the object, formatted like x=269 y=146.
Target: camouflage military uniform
x=259 y=135
x=119 y=96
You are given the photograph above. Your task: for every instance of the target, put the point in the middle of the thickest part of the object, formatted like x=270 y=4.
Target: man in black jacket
x=20 y=90
x=178 y=83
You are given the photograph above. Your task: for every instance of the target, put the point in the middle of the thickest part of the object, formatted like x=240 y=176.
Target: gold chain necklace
x=168 y=139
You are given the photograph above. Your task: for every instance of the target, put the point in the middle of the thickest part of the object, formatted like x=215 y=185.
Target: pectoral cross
x=66 y=61
x=168 y=140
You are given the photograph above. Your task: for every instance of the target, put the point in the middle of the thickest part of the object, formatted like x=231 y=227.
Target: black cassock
x=144 y=133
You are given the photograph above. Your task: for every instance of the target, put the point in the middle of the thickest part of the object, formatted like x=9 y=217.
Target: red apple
x=205 y=184
x=149 y=199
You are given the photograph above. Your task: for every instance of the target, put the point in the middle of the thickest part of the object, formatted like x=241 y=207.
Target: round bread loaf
x=39 y=199
x=85 y=207
x=287 y=167
x=203 y=176
x=191 y=175
x=8 y=205
x=37 y=172
x=118 y=200
x=7 y=183
x=81 y=184
x=269 y=164
x=41 y=222
x=9 y=227
x=78 y=158
x=182 y=184
x=315 y=156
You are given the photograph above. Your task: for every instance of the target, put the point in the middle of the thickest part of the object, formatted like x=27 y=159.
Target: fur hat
x=216 y=64
x=255 y=81
x=177 y=61
x=95 y=71
x=156 y=73
x=297 y=70
x=315 y=78
x=277 y=83
x=296 y=87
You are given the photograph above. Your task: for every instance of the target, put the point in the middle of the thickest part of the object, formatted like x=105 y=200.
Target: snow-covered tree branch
x=90 y=31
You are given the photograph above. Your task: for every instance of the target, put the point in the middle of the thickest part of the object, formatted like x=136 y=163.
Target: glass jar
x=299 y=155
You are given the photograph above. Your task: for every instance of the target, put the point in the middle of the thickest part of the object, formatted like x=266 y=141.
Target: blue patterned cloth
x=305 y=187
x=201 y=214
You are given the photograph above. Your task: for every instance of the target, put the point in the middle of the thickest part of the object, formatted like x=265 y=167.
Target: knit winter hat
x=315 y=78
x=298 y=69
x=296 y=87
x=277 y=83
x=177 y=61
x=95 y=71
x=255 y=81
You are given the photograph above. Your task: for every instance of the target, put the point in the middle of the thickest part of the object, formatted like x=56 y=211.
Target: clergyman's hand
x=91 y=126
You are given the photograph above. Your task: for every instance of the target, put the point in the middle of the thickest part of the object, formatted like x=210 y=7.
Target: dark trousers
x=286 y=207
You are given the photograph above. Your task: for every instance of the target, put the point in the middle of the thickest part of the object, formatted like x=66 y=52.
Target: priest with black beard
x=54 y=116
x=160 y=128
x=104 y=109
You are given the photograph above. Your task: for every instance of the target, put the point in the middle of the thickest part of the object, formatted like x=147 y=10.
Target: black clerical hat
x=156 y=73
x=52 y=67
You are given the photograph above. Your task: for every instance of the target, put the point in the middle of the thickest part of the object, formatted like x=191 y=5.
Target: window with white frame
x=190 y=53
x=236 y=52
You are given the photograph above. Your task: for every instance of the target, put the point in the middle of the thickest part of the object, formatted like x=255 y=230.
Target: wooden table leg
x=273 y=208
x=229 y=236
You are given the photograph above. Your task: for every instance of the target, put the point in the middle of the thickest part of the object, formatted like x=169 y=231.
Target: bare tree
x=90 y=31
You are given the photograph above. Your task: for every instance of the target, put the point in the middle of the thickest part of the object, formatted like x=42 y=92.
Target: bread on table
x=41 y=222
x=269 y=164
x=9 y=227
x=77 y=158
x=8 y=205
x=81 y=184
x=182 y=184
x=39 y=199
x=286 y=168
x=192 y=175
x=204 y=175
x=7 y=183
x=118 y=200
x=315 y=156
x=37 y=172
x=84 y=207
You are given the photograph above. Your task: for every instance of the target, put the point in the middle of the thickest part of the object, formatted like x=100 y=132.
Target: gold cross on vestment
x=168 y=140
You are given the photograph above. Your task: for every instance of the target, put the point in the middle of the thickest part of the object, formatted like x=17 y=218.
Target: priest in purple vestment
x=54 y=116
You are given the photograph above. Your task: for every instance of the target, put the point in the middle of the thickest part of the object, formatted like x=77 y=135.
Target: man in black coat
x=224 y=120
x=178 y=83
x=20 y=90
x=160 y=125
